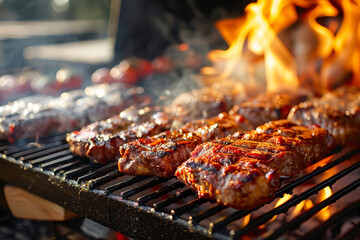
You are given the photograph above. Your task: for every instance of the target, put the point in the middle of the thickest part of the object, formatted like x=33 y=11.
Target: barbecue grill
x=164 y=208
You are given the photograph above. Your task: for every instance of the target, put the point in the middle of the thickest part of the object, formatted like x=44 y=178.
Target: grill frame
x=65 y=186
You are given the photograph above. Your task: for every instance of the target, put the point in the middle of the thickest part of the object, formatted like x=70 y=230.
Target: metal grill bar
x=74 y=173
x=288 y=188
x=67 y=166
x=205 y=214
x=42 y=153
x=312 y=211
x=34 y=151
x=58 y=161
x=55 y=156
x=223 y=221
x=98 y=172
x=9 y=149
x=92 y=184
x=351 y=210
x=126 y=183
x=178 y=196
x=188 y=206
x=50 y=157
x=143 y=187
x=295 y=200
x=158 y=193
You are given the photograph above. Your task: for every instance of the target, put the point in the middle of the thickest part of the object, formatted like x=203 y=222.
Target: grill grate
x=164 y=207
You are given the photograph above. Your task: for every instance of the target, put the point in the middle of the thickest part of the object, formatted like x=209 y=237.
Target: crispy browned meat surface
x=267 y=107
x=242 y=170
x=100 y=141
x=39 y=116
x=162 y=154
x=242 y=184
x=217 y=127
x=159 y=155
x=199 y=103
x=337 y=111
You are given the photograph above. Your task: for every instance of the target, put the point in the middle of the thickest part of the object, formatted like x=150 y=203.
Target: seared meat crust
x=244 y=185
x=39 y=116
x=337 y=111
x=198 y=104
x=159 y=155
x=100 y=141
x=255 y=159
x=162 y=154
x=267 y=107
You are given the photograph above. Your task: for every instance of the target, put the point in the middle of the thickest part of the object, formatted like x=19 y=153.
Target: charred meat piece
x=337 y=111
x=159 y=155
x=43 y=115
x=200 y=103
x=239 y=184
x=162 y=154
x=100 y=141
x=217 y=127
x=242 y=170
x=268 y=106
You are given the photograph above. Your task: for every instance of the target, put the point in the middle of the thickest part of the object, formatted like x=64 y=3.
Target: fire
x=327 y=56
x=324 y=214
x=281 y=201
x=246 y=220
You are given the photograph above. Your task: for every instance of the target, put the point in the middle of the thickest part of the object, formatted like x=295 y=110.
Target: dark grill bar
x=302 y=218
x=163 y=207
x=297 y=199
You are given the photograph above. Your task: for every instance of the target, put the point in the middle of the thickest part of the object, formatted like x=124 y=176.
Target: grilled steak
x=243 y=170
x=162 y=154
x=267 y=107
x=337 y=111
x=200 y=103
x=100 y=141
x=42 y=115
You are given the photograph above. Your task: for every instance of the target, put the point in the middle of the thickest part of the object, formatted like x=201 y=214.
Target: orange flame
x=324 y=214
x=281 y=201
x=246 y=220
x=258 y=33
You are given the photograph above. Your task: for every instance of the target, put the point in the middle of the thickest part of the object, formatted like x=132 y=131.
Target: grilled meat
x=186 y=107
x=241 y=184
x=43 y=115
x=217 y=127
x=162 y=154
x=100 y=141
x=267 y=107
x=243 y=170
x=337 y=111
x=159 y=155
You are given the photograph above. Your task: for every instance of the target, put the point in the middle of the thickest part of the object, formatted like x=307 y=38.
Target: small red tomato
x=67 y=79
x=102 y=75
x=162 y=64
x=124 y=73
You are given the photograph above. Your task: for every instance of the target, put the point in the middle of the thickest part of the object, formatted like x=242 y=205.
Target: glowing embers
x=288 y=44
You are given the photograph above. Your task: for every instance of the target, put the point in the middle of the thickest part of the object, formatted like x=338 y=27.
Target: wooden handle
x=23 y=204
